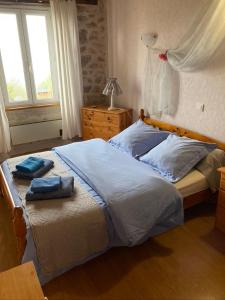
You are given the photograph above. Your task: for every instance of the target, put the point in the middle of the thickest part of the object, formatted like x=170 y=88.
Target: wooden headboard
x=179 y=130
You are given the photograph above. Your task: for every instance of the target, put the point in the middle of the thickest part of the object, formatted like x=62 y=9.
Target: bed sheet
x=192 y=183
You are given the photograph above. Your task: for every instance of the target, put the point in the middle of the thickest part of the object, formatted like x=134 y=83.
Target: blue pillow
x=138 y=138
x=176 y=156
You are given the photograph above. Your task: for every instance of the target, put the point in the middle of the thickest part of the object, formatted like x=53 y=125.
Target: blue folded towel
x=46 y=184
x=48 y=164
x=66 y=190
x=30 y=165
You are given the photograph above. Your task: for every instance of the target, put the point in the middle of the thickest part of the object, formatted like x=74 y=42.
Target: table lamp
x=112 y=88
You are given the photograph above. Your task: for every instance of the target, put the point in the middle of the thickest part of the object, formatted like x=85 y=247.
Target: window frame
x=21 y=12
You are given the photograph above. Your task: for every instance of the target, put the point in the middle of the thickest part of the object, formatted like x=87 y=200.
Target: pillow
x=138 y=138
x=176 y=156
x=209 y=165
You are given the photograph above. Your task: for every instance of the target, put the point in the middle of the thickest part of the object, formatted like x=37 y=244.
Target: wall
x=92 y=33
x=127 y=20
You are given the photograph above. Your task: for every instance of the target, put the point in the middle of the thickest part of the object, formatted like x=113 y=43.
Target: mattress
x=192 y=183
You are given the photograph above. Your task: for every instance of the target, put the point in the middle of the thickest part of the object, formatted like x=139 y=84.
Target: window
x=27 y=70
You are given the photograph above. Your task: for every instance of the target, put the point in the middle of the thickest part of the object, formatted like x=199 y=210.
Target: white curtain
x=199 y=45
x=195 y=50
x=151 y=84
x=65 y=27
x=5 y=145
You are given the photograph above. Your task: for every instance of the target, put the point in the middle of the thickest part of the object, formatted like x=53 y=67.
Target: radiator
x=28 y=133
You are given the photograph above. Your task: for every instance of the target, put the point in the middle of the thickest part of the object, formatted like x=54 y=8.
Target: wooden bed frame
x=16 y=211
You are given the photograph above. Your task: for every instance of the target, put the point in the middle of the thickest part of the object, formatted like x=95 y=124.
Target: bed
x=194 y=189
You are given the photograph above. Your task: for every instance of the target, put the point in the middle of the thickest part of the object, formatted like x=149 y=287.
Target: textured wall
x=171 y=19
x=92 y=33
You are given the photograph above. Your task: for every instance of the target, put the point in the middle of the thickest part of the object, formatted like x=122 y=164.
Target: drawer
x=99 y=125
x=104 y=133
x=101 y=117
x=221 y=199
x=87 y=114
x=110 y=119
x=222 y=181
x=220 y=218
x=87 y=133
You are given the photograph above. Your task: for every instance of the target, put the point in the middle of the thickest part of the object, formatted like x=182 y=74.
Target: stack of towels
x=47 y=187
x=50 y=188
x=33 y=167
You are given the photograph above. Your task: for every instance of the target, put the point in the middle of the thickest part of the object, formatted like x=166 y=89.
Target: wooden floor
x=187 y=263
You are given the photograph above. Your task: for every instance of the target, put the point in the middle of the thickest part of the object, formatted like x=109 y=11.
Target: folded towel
x=66 y=190
x=48 y=164
x=46 y=184
x=30 y=165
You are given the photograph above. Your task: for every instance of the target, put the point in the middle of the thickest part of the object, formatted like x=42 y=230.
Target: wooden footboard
x=17 y=218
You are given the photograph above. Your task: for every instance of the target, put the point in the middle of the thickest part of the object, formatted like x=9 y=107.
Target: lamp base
x=112 y=108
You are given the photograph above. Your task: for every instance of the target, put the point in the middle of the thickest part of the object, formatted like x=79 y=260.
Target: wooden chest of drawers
x=99 y=122
x=220 y=211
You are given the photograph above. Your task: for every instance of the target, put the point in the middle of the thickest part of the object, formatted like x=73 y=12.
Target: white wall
x=127 y=20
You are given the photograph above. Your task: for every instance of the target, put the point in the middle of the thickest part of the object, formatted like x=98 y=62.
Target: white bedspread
x=65 y=231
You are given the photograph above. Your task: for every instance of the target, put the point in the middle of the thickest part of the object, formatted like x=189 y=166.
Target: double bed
x=108 y=209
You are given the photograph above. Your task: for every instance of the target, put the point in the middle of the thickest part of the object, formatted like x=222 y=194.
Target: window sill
x=22 y=107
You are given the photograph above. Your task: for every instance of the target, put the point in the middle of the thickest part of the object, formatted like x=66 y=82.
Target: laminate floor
x=35 y=147
x=185 y=263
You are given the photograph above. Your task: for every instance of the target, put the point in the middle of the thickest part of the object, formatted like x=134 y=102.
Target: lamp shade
x=112 y=87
